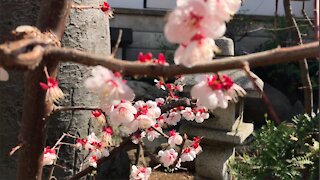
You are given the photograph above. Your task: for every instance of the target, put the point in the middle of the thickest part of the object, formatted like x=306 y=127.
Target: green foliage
x=288 y=151
x=275 y=75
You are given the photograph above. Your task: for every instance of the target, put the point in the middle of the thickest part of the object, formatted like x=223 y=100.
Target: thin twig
x=161 y=133
x=306 y=16
x=59 y=140
x=116 y=47
x=185 y=137
x=157 y=166
x=15 y=149
x=176 y=103
x=54 y=164
x=265 y=98
x=74 y=108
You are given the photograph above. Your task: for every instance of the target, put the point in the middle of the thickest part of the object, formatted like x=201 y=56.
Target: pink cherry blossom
x=152 y=134
x=99 y=117
x=140 y=173
x=223 y=10
x=196 y=145
x=160 y=84
x=172 y=118
x=174 y=138
x=198 y=51
x=81 y=143
x=93 y=161
x=106 y=8
x=136 y=138
x=160 y=102
x=106 y=138
x=211 y=91
x=145 y=122
x=188 y=114
x=167 y=157
x=111 y=87
x=54 y=93
x=188 y=154
x=49 y=156
x=4 y=75
x=190 y=18
x=123 y=113
x=201 y=114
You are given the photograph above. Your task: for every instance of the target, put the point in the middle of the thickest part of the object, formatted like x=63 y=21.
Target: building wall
x=250 y=7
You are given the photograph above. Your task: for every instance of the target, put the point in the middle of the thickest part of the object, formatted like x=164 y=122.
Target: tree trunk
x=304 y=72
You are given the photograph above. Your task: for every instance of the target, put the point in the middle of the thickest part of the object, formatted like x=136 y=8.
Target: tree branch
x=265 y=98
x=304 y=73
x=275 y=56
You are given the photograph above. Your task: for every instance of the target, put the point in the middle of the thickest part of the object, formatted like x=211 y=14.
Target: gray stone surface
x=226 y=46
x=215 y=137
x=86 y=30
x=145 y=91
x=212 y=163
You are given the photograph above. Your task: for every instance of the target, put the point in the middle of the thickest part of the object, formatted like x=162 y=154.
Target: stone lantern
x=225 y=128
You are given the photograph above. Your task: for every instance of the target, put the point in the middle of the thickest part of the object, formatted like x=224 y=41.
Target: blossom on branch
x=4 y=75
x=152 y=134
x=140 y=173
x=199 y=51
x=110 y=86
x=106 y=8
x=49 y=156
x=175 y=138
x=214 y=91
x=188 y=154
x=99 y=117
x=54 y=93
x=167 y=157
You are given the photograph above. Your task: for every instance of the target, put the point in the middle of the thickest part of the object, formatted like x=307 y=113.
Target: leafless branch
x=265 y=98
x=304 y=73
x=116 y=47
x=74 y=108
x=185 y=137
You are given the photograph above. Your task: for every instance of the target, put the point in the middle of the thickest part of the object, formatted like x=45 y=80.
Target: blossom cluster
x=194 y=25
x=214 y=91
x=97 y=147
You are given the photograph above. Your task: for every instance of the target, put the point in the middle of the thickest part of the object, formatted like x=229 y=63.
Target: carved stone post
x=223 y=131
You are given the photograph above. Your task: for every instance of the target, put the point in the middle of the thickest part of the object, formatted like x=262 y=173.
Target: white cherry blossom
x=167 y=157
x=110 y=86
x=174 y=138
x=49 y=156
x=140 y=173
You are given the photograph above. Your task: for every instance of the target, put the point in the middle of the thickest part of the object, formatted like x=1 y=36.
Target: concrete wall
x=249 y=7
